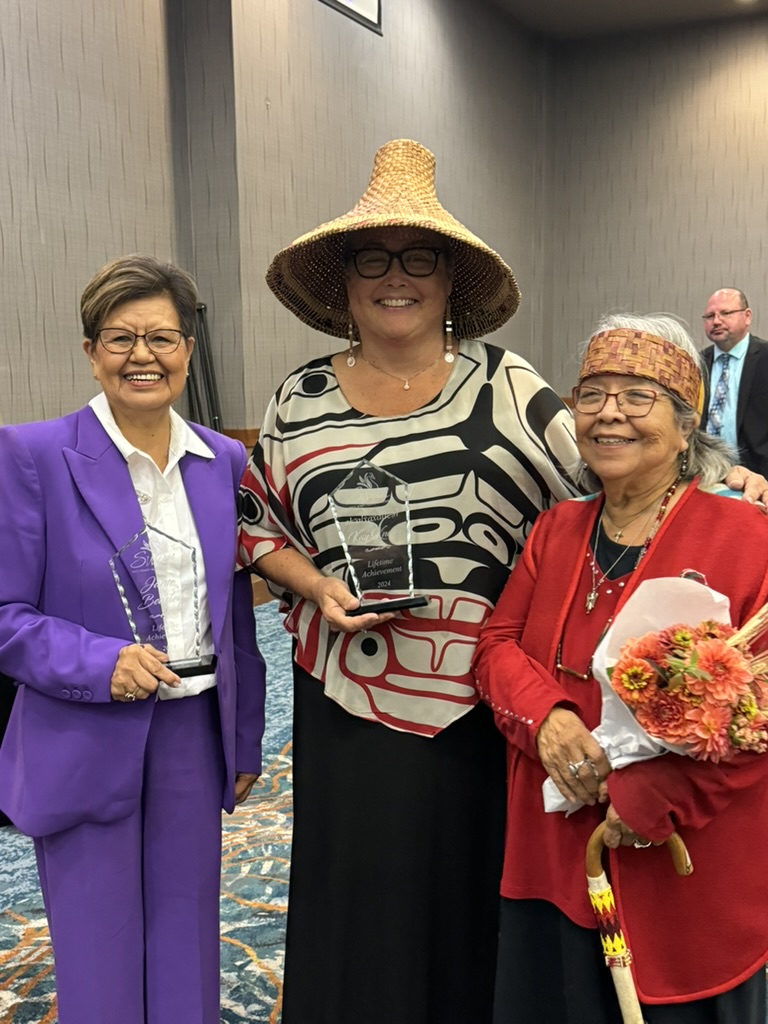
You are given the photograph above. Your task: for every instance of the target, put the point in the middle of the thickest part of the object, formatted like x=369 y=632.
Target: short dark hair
x=137 y=276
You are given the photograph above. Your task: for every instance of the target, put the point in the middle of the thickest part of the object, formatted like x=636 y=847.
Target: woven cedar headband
x=309 y=275
x=638 y=354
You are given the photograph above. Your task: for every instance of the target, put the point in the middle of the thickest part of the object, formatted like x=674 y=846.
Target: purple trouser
x=133 y=905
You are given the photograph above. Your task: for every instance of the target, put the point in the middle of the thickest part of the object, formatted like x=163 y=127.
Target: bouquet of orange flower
x=675 y=687
x=696 y=687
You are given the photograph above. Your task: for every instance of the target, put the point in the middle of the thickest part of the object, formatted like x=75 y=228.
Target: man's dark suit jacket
x=752 y=406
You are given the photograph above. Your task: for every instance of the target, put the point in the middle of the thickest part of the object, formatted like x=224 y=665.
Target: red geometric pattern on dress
x=415 y=674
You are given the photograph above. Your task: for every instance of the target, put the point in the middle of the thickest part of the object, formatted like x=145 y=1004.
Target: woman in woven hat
x=398 y=770
x=637 y=409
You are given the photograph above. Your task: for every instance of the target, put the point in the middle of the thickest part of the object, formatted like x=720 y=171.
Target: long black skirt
x=395 y=870
x=551 y=971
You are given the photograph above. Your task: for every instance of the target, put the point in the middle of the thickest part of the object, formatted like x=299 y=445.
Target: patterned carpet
x=254 y=887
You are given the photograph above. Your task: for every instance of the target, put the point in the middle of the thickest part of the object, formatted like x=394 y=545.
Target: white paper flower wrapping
x=655 y=605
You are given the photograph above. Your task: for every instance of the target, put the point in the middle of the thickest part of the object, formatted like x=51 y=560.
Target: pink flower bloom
x=677 y=638
x=708 y=738
x=664 y=717
x=646 y=646
x=728 y=671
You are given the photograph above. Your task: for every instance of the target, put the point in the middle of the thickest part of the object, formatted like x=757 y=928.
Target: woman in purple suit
x=117 y=546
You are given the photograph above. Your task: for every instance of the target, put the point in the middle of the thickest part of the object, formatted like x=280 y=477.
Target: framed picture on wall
x=364 y=12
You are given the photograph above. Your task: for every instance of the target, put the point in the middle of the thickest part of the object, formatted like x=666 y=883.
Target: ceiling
x=572 y=19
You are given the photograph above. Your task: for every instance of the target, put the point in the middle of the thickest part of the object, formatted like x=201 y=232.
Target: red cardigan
x=691 y=937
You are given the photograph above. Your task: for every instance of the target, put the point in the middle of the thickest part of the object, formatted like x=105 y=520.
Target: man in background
x=736 y=406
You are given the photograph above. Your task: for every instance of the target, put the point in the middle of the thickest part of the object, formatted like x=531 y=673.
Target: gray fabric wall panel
x=204 y=76
x=86 y=176
x=626 y=173
x=659 y=178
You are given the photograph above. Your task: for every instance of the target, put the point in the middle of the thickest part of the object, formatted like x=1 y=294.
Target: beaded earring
x=351 y=337
x=448 y=353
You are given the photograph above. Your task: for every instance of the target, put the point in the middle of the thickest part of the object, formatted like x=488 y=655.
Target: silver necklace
x=593 y=594
x=406 y=380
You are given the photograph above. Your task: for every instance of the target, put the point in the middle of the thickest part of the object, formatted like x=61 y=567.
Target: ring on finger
x=575 y=768
x=594 y=768
x=130 y=695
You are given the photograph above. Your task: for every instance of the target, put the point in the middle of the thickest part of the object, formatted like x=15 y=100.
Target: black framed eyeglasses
x=634 y=402
x=709 y=317
x=416 y=261
x=159 y=342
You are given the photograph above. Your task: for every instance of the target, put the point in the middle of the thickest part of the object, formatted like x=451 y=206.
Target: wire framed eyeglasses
x=159 y=342
x=723 y=313
x=634 y=402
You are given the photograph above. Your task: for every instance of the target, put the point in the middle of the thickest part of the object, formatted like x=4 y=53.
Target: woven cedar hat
x=309 y=276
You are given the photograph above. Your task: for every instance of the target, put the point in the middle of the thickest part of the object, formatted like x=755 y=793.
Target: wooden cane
x=617 y=953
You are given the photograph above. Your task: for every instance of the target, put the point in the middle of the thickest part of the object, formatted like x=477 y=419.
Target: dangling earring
x=684 y=463
x=351 y=337
x=448 y=353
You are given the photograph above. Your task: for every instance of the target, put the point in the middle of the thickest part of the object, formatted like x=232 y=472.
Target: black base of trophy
x=380 y=607
x=185 y=668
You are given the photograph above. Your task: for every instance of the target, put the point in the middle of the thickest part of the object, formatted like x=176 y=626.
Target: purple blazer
x=70 y=753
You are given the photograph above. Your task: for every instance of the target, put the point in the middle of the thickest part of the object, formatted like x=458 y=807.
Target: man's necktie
x=715 y=418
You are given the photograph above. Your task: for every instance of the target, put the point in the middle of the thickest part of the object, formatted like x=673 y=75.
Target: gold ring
x=131 y=695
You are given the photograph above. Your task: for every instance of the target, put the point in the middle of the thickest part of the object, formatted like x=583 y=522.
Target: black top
x=608 y=552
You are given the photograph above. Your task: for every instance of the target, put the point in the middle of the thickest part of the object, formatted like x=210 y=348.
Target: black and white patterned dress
x=399 y=778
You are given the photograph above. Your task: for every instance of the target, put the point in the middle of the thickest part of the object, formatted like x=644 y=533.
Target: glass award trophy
x=144 y=600
x=372 y=516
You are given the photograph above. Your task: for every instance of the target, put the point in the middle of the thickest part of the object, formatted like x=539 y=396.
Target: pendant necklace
x=406 y=380
x=620 y=529
x=594 y=592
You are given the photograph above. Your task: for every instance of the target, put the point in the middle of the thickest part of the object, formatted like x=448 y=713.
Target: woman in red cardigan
x=699 y=943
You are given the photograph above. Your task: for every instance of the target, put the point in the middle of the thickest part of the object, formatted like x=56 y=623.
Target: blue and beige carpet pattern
x=254 y=884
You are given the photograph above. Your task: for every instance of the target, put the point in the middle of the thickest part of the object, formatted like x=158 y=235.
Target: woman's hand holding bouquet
x=689 y=689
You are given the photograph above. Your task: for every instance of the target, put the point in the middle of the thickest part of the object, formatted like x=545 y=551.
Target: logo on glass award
x=372 y=516
x=144 y=599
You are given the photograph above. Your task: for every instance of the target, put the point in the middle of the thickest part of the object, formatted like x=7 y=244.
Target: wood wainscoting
x=249 y=436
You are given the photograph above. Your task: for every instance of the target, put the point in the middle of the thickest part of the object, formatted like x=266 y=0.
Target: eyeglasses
x=709 y=317
x=416 y=261
x=160 y=342
x=635 y=402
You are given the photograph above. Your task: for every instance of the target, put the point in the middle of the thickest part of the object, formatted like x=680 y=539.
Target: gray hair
x=708 y=457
